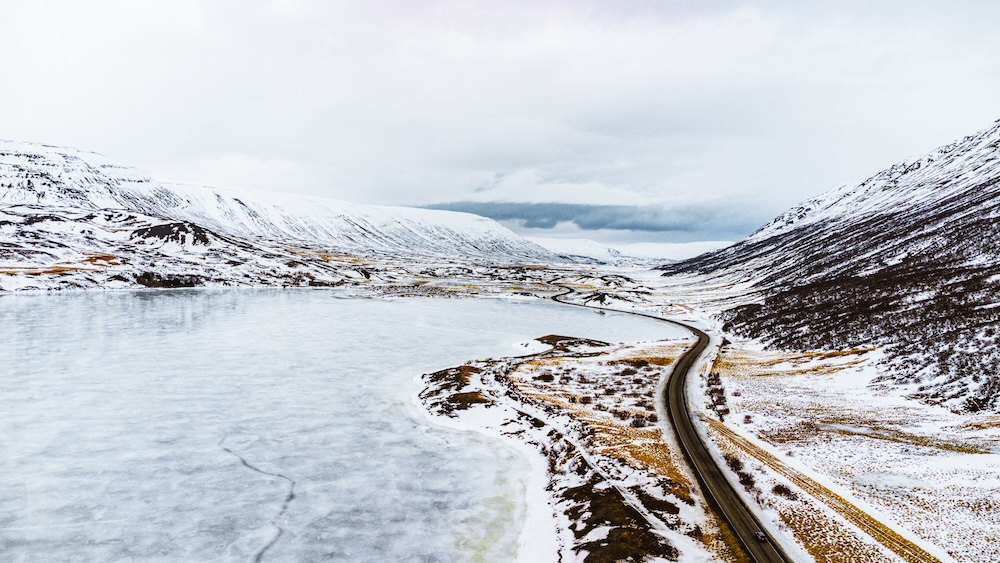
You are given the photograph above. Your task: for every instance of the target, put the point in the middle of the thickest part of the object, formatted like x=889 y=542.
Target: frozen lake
x=200 y=425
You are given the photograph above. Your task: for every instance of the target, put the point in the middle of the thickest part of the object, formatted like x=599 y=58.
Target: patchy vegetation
x=616 y=482
x=924 y=469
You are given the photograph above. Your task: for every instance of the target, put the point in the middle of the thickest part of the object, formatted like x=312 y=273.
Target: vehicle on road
x=761 y=536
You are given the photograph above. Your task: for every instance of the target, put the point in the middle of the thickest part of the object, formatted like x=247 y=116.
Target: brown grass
x=642 y=360
x=981 y=423
x=329 y=256
x=820 y=426
x=825 y=539
x=103 y=260
x=746 y=363
x=453 y=378
x=876 y=530
x=643 y=448
x=40 y=270
x=724 y=543
x=462 y=401
x=92 y=262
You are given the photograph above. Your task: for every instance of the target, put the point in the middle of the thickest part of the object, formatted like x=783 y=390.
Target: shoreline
x=613 y=486
x=538 y=513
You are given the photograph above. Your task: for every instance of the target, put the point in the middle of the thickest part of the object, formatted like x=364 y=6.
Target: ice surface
x=194 y=425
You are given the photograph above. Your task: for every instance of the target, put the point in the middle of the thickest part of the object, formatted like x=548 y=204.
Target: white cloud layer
x=415 y=103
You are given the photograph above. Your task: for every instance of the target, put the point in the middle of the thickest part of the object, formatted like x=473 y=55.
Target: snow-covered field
x=846 y=468
x=205 y=424
x=922 y=472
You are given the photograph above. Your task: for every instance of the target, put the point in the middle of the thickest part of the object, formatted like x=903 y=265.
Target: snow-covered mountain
x=585 y=251
x=591 y=251
x=49 y=176
x=908 y=258
x=59 y=208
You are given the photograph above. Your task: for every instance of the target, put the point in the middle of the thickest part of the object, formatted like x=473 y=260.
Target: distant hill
x=589 y=251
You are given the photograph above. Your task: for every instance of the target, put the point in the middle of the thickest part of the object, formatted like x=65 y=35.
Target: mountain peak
x=948 y=169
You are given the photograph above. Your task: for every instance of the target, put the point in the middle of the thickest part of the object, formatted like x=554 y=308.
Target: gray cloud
x=710 y=221
x=580 y=102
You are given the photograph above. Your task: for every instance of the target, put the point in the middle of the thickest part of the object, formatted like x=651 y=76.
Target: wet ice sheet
x=201 y=425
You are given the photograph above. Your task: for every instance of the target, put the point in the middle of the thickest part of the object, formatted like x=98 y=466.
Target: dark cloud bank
x=715 y=221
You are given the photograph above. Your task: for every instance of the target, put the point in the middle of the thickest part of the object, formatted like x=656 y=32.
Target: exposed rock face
x=180 y=233
x=909 y=258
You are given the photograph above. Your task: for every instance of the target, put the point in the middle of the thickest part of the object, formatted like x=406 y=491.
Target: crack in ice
x=284 y=505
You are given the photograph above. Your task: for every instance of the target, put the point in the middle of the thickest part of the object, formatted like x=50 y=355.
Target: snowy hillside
x=64 y=211
x=585 y=251
x=908 y=258
x=590 y=251
x=50 y=176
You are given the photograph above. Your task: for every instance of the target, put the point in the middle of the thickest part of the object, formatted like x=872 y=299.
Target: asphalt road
x=718 y=491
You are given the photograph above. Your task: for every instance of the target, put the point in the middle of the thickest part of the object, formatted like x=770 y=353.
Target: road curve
x=718 y=491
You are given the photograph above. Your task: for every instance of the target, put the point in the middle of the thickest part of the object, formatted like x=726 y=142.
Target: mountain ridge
x=72 y=219
x=45 y=175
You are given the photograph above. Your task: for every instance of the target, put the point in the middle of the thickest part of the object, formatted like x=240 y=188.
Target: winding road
x=718 y=491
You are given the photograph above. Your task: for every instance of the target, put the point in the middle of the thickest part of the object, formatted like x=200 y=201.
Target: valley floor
x=839 y=468
x=930 y=476
x=843 y=469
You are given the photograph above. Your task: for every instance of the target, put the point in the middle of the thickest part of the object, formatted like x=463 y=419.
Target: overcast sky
x=613 y=120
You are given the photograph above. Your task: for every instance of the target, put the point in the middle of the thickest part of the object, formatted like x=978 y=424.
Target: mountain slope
x=46 y=176
x=908 y=259
x=593 y=252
